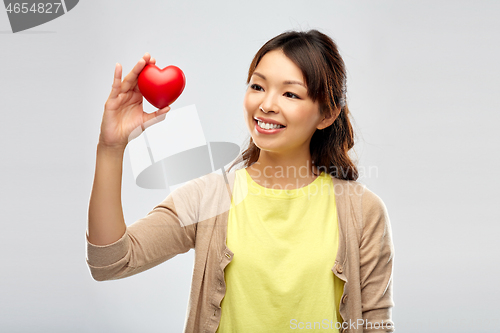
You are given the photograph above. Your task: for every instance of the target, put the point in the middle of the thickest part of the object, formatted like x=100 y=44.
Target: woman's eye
x=256 y=87
x=291 y=95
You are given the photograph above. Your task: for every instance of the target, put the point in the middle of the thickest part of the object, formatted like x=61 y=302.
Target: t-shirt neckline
x=285 y=193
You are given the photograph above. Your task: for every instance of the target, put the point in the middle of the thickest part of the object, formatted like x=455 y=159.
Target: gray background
x=423 y=90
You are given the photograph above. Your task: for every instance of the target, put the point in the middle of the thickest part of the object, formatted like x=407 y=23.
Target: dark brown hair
x=324 y=71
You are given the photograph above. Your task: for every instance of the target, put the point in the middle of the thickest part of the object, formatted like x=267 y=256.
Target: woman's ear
x=328 y=118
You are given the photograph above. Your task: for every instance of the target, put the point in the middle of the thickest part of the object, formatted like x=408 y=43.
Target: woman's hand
x=124 y=118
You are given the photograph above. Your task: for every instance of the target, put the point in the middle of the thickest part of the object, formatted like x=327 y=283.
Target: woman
x=300 y=243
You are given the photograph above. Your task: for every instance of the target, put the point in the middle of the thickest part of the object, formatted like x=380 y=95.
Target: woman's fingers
x=131 y=79
x=117 y=79
x=155 y=117
x=164 y=110
x=146 y=57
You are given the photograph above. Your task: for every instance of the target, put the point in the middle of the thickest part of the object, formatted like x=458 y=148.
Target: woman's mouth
x=267 y=128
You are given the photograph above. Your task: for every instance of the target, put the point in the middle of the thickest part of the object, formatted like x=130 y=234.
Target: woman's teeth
x=268 y=126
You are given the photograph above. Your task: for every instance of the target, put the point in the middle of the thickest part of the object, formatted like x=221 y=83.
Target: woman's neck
x=283 y=171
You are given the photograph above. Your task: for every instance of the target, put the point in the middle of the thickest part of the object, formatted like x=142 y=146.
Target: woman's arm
x=105 y=217
x=167 y=230
x=123 y=119
x=376 y=265
x=114 y=249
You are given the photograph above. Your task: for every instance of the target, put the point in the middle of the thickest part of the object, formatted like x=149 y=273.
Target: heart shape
x=161 y=87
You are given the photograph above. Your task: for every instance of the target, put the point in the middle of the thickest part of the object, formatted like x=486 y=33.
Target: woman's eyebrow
x=284 y=82
x=295 y=82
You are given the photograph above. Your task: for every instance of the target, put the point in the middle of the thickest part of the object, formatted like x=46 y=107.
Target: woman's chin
x=267 y=146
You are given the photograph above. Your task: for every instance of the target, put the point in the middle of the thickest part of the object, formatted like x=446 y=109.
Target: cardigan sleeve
x=376 y=265
x=167 y=230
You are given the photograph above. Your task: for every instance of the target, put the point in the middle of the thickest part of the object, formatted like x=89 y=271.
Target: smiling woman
x=289 y=240
x=277 y=94
x=308 y=74
x=287 y=243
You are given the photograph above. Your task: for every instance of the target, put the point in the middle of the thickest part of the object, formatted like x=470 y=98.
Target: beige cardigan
x=195 y=216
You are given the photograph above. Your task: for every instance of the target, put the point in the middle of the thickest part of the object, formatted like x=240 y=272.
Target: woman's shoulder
x=203 y=198
x=364 y=213
x=364 y=201
x=356 y=188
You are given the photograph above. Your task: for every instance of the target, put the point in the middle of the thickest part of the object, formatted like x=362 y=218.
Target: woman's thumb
x=153 y=118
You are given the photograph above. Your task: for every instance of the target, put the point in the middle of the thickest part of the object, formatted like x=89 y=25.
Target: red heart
x=161 y=87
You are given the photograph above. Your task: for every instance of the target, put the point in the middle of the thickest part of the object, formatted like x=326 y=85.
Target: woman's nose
x=269 y=103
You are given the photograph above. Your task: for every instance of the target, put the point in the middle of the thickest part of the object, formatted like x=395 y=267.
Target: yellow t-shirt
x=284 y=243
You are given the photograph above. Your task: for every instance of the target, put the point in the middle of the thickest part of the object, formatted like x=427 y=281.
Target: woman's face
x=277 y=86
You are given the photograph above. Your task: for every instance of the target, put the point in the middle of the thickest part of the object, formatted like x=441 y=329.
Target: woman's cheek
x=253 y=99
